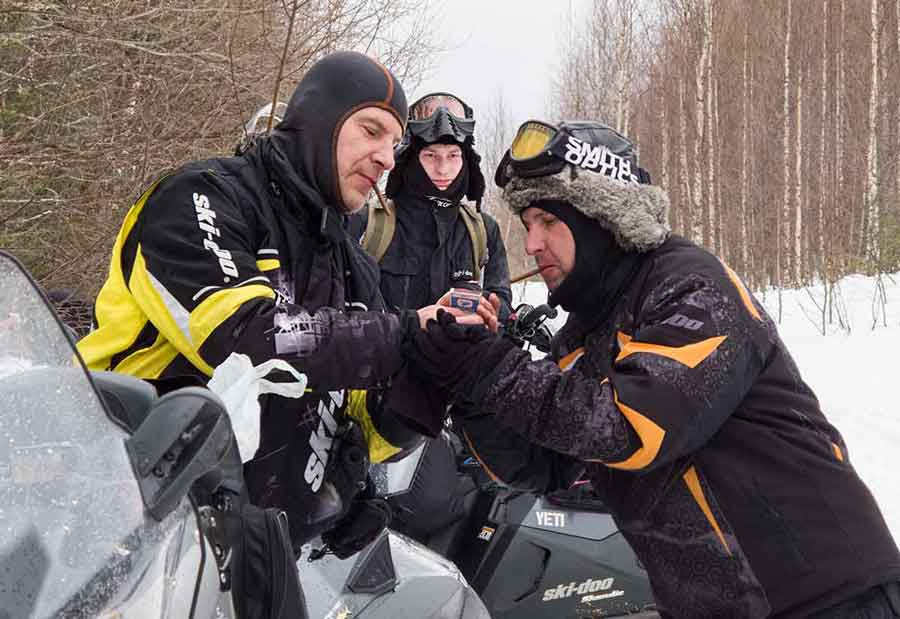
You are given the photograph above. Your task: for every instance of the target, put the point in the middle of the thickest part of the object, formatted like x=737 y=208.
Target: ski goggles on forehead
x=540 y=149
x=429 y=104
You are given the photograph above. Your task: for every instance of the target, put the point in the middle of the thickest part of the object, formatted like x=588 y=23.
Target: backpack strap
x=478 y=233
x=379 y=229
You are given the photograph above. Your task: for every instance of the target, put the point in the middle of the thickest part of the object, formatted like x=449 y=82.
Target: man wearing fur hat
x=670 y=389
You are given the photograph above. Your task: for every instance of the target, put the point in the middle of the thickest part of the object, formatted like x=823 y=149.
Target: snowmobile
x=560 y=555
x=108 y=509
x=83 y=536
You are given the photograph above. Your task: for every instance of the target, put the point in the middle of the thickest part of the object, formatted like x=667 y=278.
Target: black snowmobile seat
x=127 y=398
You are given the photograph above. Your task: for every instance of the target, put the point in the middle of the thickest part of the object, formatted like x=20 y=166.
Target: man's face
x=365 y=150
x=442 y=163
x=551 y=243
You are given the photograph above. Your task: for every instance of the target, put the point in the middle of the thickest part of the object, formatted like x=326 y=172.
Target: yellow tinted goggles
x=531 y=140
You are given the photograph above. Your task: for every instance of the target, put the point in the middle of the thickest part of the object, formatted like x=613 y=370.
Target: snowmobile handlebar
x=526 y=325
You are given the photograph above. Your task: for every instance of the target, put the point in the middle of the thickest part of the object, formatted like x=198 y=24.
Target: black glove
x=365 y=520
x=277 y=481
x=455 y=358
x=416 y=404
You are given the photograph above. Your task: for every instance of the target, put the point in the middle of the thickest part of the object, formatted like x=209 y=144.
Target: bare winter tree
x=871 y=211
x=495 y=133
x=98 y=98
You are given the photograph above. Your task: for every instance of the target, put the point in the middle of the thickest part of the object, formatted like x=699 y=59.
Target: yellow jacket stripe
x=380 y=449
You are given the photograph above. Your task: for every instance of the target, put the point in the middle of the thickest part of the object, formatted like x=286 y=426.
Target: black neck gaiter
x=418 y=185
x=601 y=266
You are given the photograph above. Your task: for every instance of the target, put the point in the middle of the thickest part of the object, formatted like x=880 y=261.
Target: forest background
x=773 y=125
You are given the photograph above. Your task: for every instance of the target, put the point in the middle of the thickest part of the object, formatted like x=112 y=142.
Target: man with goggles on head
x=671 y=389
x=431 y=237
x=431 y=234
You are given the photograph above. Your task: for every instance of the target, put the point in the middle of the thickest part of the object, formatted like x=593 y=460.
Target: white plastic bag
x=239 y=384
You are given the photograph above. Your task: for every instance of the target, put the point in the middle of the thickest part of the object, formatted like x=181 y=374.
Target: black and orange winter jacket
x=672 y=390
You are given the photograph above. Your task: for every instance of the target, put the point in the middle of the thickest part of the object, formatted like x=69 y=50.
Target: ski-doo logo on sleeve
x=599 y=158
x=322 y=440
x=206 y=220
x=561 y=592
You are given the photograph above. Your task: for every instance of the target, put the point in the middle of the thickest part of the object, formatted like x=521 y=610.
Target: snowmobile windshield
x=393 y=478
x=74 y=533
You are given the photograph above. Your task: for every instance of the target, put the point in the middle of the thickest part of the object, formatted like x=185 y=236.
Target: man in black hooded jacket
x=669 y=386
x=435 y=192
x=436 y=189
x=249 y=254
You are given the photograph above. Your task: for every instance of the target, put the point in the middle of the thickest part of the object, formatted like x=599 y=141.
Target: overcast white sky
x=499 y=45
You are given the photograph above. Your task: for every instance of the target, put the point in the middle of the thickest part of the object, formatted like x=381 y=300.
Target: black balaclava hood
x=417 y=184
x=334 y=88
x=601 y=265
x=406 y=162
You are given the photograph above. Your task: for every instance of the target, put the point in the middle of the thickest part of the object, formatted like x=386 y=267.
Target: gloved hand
x=419 y=407
x=278 y=481
x=455 y=358
x=365 y=520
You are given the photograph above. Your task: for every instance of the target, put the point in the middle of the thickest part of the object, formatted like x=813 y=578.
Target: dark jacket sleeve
x=695 y=352
x=511 y=460
x=496 y=272
x=195 y=273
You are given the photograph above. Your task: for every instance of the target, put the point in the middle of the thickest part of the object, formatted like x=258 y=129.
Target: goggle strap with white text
x=540 y=149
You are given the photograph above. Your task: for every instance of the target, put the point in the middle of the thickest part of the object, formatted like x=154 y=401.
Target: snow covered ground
x=852 y=369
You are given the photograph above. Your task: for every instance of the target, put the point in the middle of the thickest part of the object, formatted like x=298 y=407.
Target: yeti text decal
x=561 y=592
x=321 y=440
x=599 y=158
x=206 y=219
x=551 y=519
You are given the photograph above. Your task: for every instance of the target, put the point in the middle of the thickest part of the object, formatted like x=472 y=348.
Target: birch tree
x=782 y=263
x=871 y=231
x=698 y=231
x=711 y=227
x=839 y=115
x=897 y=128
x=689 y=209
x=823 y=114
x=797 y=253
x=747 y=94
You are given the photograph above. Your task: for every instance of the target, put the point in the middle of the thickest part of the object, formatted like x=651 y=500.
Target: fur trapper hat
x=636 y=214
